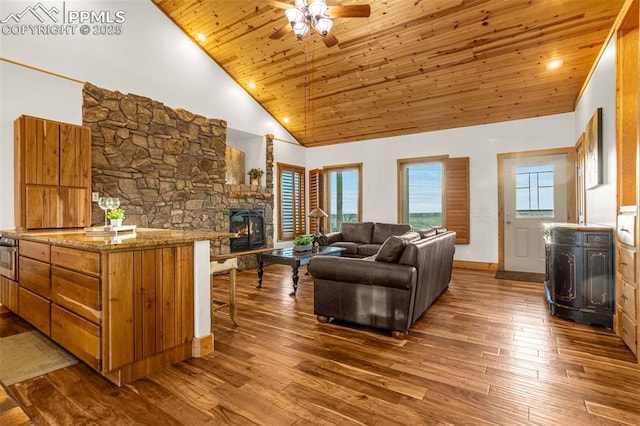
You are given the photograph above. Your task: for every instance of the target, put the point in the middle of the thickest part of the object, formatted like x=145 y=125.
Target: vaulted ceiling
x=412 y=66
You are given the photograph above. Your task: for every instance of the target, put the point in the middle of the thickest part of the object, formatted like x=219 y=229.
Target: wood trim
x=478 y=266
x=141 y=368
x=202 y=346
x=21 y=64
x=612 y=32
x=571 y=190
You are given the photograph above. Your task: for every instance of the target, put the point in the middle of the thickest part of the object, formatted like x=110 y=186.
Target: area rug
x=31 y=354
x=531 y=277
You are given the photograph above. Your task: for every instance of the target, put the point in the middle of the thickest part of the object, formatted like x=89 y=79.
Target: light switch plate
x=95 y=196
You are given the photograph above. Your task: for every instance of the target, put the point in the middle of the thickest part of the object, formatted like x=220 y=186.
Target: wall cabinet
x=579 y=272
x=52 y=174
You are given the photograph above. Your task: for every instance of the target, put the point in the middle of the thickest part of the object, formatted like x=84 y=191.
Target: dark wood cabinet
x=579 y=273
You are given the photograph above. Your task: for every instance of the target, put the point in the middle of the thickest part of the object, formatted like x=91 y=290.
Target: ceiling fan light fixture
x=300 y=29
x=294 y=16
x=324 y=25
x=317 y=9
x=307 y=16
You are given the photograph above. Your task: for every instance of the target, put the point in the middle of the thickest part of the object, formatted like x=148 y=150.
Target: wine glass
x=102 y=203
x=116 y=202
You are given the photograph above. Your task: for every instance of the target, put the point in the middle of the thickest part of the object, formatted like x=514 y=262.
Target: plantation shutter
x=316 y=197
x=292 y=206
x=456 y=175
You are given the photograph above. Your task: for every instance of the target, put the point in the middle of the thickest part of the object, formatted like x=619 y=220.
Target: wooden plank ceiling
x=412 y=66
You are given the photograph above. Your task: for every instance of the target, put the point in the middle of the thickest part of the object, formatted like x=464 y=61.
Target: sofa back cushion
x=427 y=232
x=392 y=249
x=382 y=231
x=357 y=232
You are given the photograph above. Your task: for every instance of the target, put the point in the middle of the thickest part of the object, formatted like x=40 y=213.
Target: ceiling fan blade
x=281 y=32
x=330 y=40
x=357 y=11
x=280 y=4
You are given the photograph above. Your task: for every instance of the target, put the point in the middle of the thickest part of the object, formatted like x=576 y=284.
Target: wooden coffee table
x=287 y=256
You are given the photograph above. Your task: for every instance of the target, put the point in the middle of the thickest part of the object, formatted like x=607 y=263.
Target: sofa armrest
x=360 y=271
x=330 y=238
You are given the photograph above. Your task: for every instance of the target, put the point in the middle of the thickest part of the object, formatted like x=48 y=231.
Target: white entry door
x=535 y=192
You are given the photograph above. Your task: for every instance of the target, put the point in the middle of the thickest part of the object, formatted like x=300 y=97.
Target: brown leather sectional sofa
x=363 y=239
x=390 y=290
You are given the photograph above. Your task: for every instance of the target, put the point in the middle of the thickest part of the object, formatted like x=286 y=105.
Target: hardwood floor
x=487 y=352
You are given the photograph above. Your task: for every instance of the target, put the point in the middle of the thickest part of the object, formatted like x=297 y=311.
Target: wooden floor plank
x=487 y=352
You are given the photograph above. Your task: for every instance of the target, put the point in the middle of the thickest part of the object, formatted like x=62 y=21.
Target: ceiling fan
x=307 y=15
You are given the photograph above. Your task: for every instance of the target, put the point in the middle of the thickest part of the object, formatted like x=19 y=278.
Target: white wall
x=152 y=58
x=480 y=143
x=601 y=93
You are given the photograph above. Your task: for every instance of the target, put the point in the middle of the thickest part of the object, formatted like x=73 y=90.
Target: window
x=422 y=193
x=291 y=207
x=434 y=191
x=534 y=191
x=343 y=194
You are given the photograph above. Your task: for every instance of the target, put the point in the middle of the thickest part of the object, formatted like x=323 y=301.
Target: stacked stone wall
x=166 y=165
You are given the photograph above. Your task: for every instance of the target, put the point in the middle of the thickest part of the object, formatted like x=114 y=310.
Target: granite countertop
x=143 y=237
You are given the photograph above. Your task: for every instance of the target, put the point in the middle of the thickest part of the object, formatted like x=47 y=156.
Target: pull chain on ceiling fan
x=307 y=15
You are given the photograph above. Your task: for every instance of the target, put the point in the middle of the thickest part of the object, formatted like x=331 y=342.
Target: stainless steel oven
x=8 y=258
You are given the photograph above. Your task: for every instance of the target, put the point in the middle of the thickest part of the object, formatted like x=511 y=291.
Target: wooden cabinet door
x=35 y=309
x=75 y=156
x=42 y=207
x=599 y=280
x=74 y=206
x=9 y=293
x=78 y=336
x=78 y=293
x=40 y=151
x=565 y=273
x=35 y=276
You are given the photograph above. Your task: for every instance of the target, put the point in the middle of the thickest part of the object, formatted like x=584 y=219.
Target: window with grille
x=534 y=191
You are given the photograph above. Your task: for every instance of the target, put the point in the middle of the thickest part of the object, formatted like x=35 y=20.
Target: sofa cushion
x=357 y=232
x=382 y=231
x=426 y=232
x=368 y=249
x=351 y=247
x=440 y=230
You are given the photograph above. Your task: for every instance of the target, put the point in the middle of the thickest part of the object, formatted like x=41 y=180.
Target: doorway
x=535 y=188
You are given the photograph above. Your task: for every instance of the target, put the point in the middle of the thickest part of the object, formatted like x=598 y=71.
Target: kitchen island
x=126 y=305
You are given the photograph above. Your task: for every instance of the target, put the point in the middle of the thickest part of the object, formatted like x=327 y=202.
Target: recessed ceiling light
x=251 y=85
x=554 y=64
x=285 y=120
x=201 y=37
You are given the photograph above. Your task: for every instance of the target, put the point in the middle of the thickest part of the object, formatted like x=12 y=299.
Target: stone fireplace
x=168 y=167
x=249 y=225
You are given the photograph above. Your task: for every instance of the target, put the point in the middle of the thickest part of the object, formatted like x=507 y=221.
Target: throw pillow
x=391 y=250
